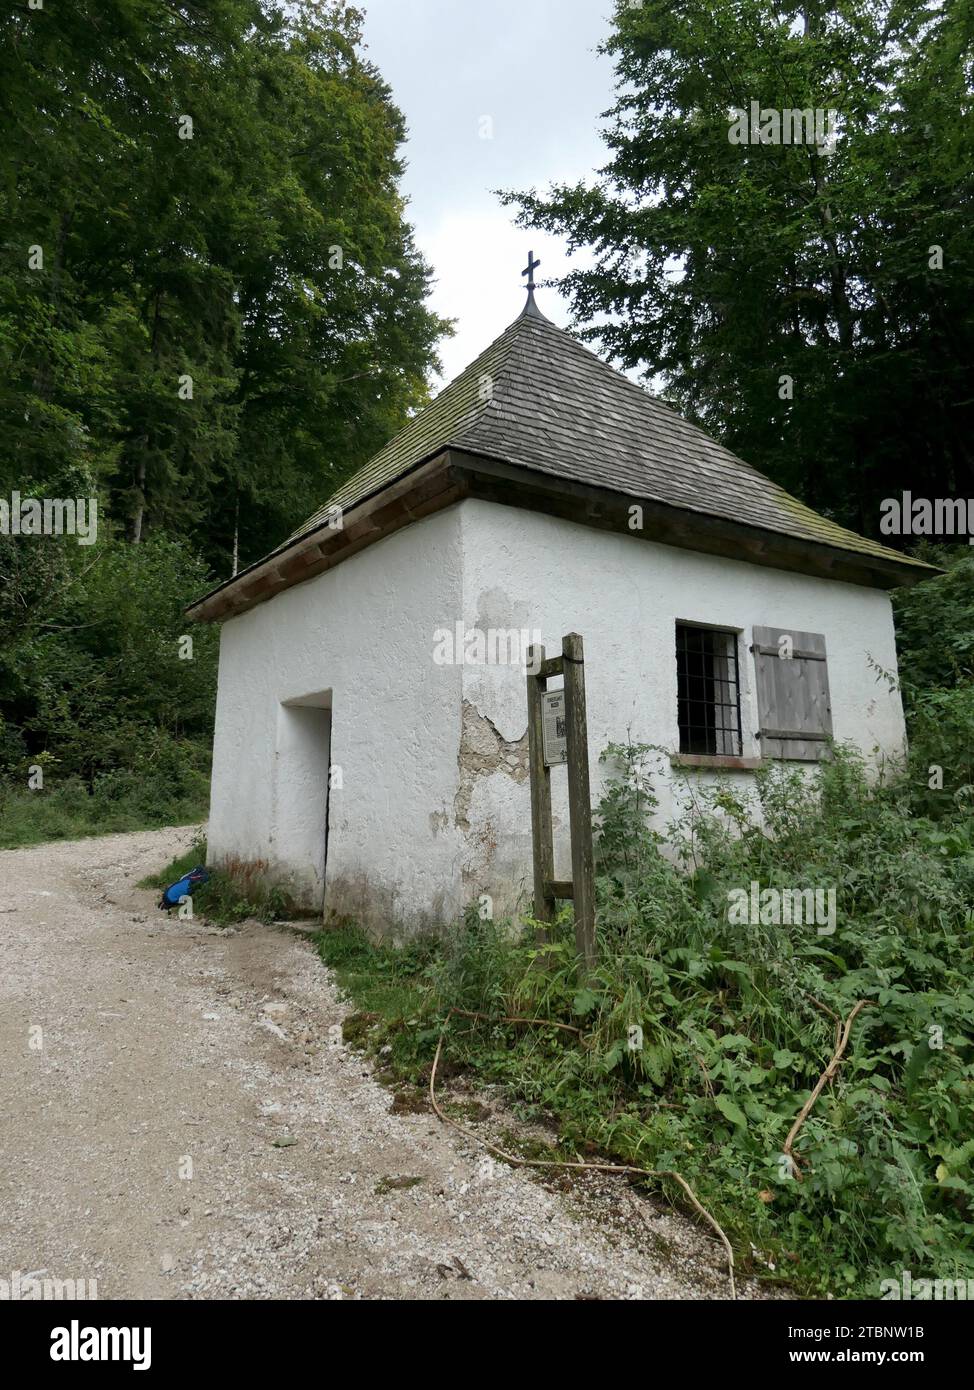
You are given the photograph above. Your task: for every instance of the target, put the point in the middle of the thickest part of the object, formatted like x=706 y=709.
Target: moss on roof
x=539 y=399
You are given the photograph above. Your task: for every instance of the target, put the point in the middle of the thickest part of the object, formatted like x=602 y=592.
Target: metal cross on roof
x=529 y=270
x=531 y=309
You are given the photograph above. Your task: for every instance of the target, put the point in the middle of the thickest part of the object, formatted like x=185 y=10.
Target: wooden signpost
x=558 y=735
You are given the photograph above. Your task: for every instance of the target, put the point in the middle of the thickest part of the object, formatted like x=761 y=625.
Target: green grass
x=392 y=992
x=70 y=812
x=223 y=899
x=380 y=979
x=182 y=864
x=735 y=1026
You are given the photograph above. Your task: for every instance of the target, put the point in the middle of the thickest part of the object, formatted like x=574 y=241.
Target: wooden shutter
x=794 y=706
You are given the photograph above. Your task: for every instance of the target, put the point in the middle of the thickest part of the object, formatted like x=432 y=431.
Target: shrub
x=702 y=1038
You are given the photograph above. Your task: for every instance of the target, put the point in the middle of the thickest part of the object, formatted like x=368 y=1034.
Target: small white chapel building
x=371 y=747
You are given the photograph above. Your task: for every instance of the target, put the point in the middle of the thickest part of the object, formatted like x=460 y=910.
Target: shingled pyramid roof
x=539 y=399
x=539 y=421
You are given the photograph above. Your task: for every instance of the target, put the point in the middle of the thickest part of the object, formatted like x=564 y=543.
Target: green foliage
x=724 y=267
x=625 y=838
x=267 y=259
x=935 y=644
x=124 y=800
x=391 y=988
x=92 y=686
x=702 y=1038
x=935 y=626
x=223 y=898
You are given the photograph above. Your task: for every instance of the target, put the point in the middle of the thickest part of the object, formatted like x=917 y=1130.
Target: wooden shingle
x=539 y=399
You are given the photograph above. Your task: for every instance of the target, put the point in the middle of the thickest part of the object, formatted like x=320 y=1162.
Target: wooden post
x=544 y=857
x=579 y=802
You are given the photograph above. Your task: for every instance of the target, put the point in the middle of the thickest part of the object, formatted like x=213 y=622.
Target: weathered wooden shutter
x=794 y=707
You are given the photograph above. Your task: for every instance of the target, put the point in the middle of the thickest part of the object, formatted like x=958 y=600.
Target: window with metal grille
x=708 y=691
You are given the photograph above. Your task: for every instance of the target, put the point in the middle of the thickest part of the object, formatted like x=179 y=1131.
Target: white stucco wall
x=625 y=596
x=434 y=807
x=358 y=637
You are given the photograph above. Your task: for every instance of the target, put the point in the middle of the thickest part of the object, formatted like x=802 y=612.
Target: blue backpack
x=183 y=887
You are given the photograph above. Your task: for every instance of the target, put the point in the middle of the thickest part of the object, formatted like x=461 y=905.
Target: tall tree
x=808 y=303
x=226 y=314
x=211 y=311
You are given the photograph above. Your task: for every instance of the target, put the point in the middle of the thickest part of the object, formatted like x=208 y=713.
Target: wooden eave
x=452 y=475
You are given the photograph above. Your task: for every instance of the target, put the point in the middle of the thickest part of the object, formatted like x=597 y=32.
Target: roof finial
x=530 y=307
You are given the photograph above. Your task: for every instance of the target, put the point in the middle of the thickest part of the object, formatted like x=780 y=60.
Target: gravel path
x=187 y=1123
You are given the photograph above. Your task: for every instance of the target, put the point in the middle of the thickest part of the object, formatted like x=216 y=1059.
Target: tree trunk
x=135 y=526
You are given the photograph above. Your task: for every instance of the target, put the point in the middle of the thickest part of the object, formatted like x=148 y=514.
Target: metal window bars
x=708 y=691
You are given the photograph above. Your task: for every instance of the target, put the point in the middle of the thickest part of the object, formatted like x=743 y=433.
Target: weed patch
x=704 y=1034
x=227 y=897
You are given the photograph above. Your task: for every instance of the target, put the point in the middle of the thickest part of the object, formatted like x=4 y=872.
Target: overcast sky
x=525 y=73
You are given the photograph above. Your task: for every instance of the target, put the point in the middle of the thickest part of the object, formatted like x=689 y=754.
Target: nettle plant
x=626 y=843
x=701 y=1038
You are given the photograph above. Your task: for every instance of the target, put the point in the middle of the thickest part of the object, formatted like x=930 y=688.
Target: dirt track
x=170 y=1044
